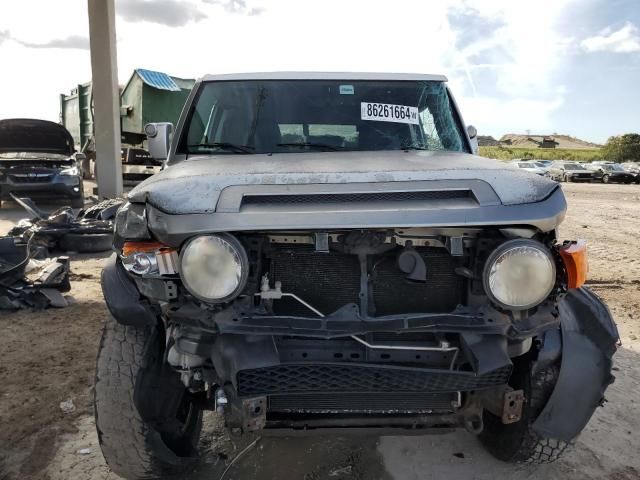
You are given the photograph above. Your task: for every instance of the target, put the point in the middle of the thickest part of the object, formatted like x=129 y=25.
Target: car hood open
x=30 y=135
x=194 y=185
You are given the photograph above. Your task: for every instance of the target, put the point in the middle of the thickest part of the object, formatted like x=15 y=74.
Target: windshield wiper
x=413 y=147
x=225 y=146
x=325 y=146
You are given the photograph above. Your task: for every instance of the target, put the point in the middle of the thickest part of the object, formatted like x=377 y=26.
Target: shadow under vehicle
x=325 y=253
x=38 y=160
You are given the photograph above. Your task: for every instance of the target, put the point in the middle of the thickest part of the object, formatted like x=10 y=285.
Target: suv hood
x=29 y=135
x=194 y=186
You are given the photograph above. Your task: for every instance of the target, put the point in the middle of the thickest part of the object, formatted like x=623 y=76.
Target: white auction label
x=386 y=112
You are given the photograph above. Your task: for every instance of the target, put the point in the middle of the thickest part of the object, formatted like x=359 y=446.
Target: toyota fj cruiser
x=325 y=251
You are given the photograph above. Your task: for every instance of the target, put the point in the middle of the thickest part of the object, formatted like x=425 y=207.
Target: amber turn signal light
x=574 y=256
x=141 y=247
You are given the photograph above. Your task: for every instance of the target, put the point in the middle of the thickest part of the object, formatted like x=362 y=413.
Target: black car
x=38 y=159
x=612 y=173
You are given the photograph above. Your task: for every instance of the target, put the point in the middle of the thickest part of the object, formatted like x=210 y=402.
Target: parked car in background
x=633 y=168
x=569 y=172
x=545 y=165
x=38 y=159
x=611 y=173
x=529 y=167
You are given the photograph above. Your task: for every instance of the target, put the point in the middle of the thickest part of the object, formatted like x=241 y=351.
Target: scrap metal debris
x=91 y=230
x=28 y=277
x=30 y=283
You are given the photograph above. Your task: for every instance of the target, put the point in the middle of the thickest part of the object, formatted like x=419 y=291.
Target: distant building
x=487 y=141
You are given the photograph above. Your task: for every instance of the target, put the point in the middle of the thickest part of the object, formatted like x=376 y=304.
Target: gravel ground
x=48 y=358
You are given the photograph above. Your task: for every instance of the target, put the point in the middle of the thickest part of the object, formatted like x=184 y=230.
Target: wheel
x=86 y=242
x=128 y=374
x=605 y=179
x=517 y=442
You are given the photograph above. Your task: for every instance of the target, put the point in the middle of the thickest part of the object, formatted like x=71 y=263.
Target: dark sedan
x=612 y=173
x=37 y=159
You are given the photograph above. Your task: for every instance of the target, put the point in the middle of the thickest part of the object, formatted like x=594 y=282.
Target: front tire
x=605 y=179
x=518 y=442
x=132 y=447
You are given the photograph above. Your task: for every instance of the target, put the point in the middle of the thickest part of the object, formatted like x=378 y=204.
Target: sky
x=539 y=67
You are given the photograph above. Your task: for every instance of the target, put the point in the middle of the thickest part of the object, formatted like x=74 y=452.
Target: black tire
x=132 y=447
x=518 y=442
x=605 y=179
x=86 y=242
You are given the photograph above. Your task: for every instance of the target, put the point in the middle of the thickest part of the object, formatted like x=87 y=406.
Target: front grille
x=29 y=179
x=328 y=281
x=355 y=197
x=387 y=403
x=308 y=378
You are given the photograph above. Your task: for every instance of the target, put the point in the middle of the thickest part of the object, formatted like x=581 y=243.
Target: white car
x=530 y=167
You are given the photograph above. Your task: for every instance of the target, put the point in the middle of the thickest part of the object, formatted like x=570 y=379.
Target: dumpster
x=148 y=96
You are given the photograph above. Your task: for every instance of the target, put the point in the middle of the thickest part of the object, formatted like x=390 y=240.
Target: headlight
x=141 y=263
x=69 y=171
x=131 y=222
x=214 y=267
x=519 y=274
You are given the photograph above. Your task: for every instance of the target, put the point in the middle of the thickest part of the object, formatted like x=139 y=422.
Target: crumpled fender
x=589 y=340
x=122 y=297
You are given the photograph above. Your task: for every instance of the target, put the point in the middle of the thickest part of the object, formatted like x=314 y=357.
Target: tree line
x=622 y=148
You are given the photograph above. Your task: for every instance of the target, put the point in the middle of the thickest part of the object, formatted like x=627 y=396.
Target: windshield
x=573 y=166
x=526 y=165
x=282 y=116
x=613 y=168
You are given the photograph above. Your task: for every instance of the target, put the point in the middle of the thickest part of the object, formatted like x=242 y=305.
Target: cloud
x=76 y=42
x=72 y=42
x=499 y=71
x=172 y=13
x=237 y=6
x=624 y=40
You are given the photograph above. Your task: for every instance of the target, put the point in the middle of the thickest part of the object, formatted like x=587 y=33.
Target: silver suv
x=325 y=251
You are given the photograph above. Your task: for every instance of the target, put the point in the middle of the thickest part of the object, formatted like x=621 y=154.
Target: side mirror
x=159 y=139
x=473 y=138
x=80 y=157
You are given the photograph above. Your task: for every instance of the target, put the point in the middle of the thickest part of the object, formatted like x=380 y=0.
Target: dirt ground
x=48 y=358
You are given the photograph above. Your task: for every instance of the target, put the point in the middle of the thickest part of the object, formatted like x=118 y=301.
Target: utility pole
x=106 y=97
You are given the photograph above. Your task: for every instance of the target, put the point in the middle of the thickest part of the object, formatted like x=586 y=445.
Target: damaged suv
x=324 y=251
